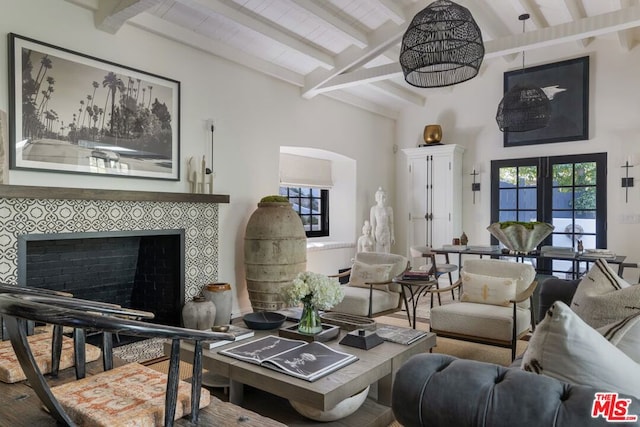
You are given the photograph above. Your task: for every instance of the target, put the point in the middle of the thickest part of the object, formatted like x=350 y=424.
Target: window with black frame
x=566 y=191
x=312 y=204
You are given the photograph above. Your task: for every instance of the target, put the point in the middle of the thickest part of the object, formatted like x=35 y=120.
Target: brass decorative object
x=522 y=237
x=432 y=134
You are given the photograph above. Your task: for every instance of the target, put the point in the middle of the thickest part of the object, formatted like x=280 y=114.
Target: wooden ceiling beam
x=357 y=37
x=380 y=40
x=270 y=30
x=111 y=15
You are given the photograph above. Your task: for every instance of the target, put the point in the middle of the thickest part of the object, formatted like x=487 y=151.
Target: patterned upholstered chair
x=51 y=350
x=495 y=305
x=370 y=291
x=128 y=393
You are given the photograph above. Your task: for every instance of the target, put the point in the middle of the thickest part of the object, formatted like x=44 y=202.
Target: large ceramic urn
x=275 y=251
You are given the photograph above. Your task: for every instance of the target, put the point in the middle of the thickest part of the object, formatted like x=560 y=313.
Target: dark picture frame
x=74 y=113
x=566 y=83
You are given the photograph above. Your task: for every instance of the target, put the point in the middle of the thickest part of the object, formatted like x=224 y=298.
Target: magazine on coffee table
x=399 y=334
x=301 y=359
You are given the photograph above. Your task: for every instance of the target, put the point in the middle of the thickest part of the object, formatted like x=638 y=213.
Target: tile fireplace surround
x=38 y=210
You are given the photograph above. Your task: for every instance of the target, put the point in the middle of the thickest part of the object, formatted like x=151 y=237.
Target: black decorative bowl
x=263 y=320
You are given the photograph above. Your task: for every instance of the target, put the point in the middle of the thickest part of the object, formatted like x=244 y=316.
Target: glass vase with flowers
x=315 y=292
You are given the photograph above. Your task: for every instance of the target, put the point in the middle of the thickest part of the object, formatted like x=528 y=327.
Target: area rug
x=162 y=365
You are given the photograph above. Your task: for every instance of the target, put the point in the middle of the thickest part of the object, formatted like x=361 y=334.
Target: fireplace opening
x=142 y=269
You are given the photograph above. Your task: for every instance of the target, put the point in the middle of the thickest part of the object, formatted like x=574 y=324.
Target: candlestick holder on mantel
x=475 y=186
x=627 y=181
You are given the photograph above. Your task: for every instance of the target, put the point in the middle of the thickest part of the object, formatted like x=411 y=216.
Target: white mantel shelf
x=32 y=192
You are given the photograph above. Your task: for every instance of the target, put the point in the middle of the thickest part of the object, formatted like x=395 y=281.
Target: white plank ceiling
x=348 y=49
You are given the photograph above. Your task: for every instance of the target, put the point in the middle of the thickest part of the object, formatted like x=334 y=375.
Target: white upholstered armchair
x=495 y=304
x=370 y=291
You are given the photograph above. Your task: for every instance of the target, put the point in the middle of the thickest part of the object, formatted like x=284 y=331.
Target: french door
x=566 y=191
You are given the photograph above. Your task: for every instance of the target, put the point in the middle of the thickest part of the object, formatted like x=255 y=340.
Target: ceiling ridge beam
x=356 y=36
x=571 y=31
x=111 y=15
x=257 y=25
x=591 y=26
x=379 y=40
x=625 y=38
x=576 y=11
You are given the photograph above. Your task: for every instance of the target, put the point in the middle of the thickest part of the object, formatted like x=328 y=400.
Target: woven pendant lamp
x=524 y=107
x=442 y=46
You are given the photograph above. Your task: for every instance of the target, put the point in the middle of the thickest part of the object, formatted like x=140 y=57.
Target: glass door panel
x=566 y=191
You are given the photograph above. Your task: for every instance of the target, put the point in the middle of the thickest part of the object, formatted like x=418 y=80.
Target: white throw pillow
x=625 y=335
x=362 y=274
x=487 y=289
x=564 y=347
x=603 y=297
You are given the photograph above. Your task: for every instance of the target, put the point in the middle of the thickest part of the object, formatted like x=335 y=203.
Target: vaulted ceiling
x=349 y=49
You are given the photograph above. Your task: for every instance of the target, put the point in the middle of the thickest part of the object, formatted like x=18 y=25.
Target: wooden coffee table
x=376 y=367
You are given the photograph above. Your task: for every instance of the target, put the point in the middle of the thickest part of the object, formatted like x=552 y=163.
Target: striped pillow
x=566 y=348
x=603 y=297
x=625 y=335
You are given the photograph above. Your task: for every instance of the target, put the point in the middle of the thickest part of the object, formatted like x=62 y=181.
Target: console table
x=535 y=255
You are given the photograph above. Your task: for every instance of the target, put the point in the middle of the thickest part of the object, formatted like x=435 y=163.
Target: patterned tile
x=199 y=220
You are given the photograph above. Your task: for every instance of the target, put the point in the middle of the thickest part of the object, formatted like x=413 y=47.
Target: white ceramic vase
x=199 y=314
x=221 y=295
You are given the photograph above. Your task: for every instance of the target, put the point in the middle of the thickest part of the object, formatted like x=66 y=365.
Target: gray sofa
x=438 y=390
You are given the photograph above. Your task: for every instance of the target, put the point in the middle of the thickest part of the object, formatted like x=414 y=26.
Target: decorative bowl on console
x=521 y=237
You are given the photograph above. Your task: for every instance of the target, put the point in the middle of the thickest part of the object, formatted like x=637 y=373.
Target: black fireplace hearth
x=140 y=269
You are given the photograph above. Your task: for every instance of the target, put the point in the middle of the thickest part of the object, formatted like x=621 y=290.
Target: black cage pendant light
x=525 y=106
x=442 y=46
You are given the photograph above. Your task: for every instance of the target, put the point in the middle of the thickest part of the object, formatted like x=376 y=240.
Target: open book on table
x=300 y=359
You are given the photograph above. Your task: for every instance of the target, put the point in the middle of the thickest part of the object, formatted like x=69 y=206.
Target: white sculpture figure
x=381 y=217
x=198 y=181
x=365 y=242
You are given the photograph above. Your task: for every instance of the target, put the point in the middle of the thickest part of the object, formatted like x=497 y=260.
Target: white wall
x=467 y=115
x=254 y=115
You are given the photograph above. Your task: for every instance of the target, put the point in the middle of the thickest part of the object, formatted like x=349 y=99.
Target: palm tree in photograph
x=112 y=81
x=150 y=90
x=45 y=64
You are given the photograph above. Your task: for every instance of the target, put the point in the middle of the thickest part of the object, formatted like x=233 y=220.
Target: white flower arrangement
x=319 y=290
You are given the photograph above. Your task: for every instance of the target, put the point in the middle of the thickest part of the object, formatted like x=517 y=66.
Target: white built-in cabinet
x=434 y=194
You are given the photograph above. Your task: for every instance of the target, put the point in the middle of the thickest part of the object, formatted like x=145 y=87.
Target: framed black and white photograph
x=566 y=84
x=70 y=112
